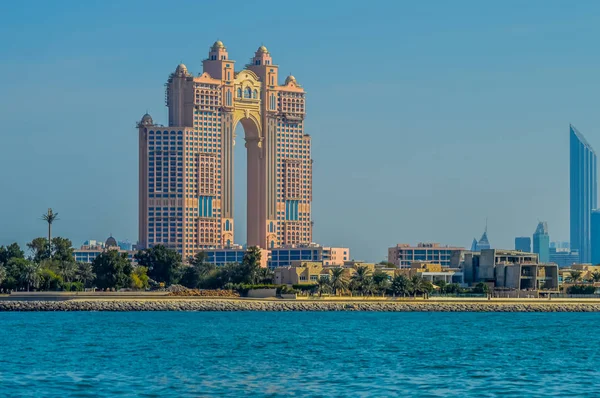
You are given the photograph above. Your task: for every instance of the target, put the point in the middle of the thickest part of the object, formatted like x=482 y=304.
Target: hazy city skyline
x=425 y=119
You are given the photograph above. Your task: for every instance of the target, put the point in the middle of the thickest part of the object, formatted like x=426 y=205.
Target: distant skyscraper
x=523 y=243
x=583 y=193
x=483 y=243
x=595 y=236
x=541 y=242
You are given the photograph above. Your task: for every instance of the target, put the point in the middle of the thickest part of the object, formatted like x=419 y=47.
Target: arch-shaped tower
x=203 y=113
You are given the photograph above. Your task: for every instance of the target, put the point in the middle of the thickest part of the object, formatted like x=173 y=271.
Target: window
x=239 y=92
x=248 y=93
x=255 y=94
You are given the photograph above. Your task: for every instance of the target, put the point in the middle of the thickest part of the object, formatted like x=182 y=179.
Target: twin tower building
x=186 y=168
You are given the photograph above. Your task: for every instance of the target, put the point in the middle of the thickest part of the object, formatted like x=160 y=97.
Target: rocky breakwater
x=274 y=306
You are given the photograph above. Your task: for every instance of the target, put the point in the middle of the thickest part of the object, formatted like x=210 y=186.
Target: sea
x=302 y=354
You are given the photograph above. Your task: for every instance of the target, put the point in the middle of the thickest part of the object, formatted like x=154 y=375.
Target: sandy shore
x=204 y=304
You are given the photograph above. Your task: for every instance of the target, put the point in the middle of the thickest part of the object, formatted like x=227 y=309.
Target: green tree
x=200 y=262
x=400 y=285
x=50 y=217
x=338 y=280
x=264 y=276
x=596 y=276
x=139 y=278
x=387 y=264
x=40 y=249
x=112 y=269
x=164 y=264
x=481 y=288
x=50 y=280
x=11 y=251
x=443 y=285
x=62 y=249
x=251 y=265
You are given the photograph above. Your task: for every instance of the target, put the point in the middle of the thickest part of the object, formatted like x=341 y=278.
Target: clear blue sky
x=443 y=113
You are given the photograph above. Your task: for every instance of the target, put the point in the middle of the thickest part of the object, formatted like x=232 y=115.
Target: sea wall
x=260 y=305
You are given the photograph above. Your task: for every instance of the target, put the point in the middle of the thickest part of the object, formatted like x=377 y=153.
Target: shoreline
x=120 y=304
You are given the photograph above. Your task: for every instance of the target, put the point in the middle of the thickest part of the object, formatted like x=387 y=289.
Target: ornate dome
x=218 y=44
x=262 y=49
x=111 y=242
x=181 y=68
x=289 y=79
x=146 y=119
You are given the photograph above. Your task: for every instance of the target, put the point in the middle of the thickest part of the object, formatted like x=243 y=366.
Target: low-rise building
x=433 y=272
x=282 y=256
x=509 y=269
x=403 y=255
x=91 y=249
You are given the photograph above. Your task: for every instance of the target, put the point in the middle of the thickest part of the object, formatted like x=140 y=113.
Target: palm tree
x=400 y=285
x=84 y=273
x=67 y=270
x=360 y=277
x=368 y=286
x=2 y=274
x=50 y=217
x=596 y=276
x=31 y=274
x=323 y=286
x=339 y=280
x=574 y=275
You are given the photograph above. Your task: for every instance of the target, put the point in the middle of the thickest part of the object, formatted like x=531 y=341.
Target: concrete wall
x=262 y=293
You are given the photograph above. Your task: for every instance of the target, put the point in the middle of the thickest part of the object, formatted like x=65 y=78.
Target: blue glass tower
x=583 y=193
x=596 y=236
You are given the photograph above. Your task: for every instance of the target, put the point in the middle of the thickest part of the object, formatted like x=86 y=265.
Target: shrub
x=306 y=287
x=72 y=286
x=581 y=289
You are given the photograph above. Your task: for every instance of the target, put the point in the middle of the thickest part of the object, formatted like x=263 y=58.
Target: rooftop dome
x=289 y=79
x=218 y=44
x=262 y=49
x=147 y=119
x=181 y=68
x=111 y=242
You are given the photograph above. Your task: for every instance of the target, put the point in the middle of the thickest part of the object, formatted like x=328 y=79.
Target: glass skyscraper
x=595 y=236
x=523 y=243
x=541 y=242
x=583 y=193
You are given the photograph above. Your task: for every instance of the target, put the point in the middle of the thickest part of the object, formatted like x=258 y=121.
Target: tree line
x=51 y=266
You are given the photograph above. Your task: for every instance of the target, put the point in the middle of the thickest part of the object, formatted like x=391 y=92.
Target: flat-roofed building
x=402 y=255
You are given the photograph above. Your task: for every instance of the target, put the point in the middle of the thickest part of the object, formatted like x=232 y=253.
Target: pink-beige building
x=186 y=168
x=402 y=255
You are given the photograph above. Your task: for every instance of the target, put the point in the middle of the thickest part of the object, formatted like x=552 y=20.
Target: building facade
x=563 y=257
x=186 y=169
x=91 y=249
x=541 y=242
x=583 y=193
x=509 y=269
x=403 y=255
x=595 y=236
x=282 y=256
x=523 y=244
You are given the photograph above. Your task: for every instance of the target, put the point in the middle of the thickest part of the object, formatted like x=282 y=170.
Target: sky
x=426 y=117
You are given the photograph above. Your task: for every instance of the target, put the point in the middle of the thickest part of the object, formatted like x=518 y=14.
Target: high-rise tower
x=583 y=193
x=541 y=242
x=195 y=153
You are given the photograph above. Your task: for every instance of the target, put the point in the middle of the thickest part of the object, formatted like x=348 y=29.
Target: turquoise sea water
x=191 y=354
